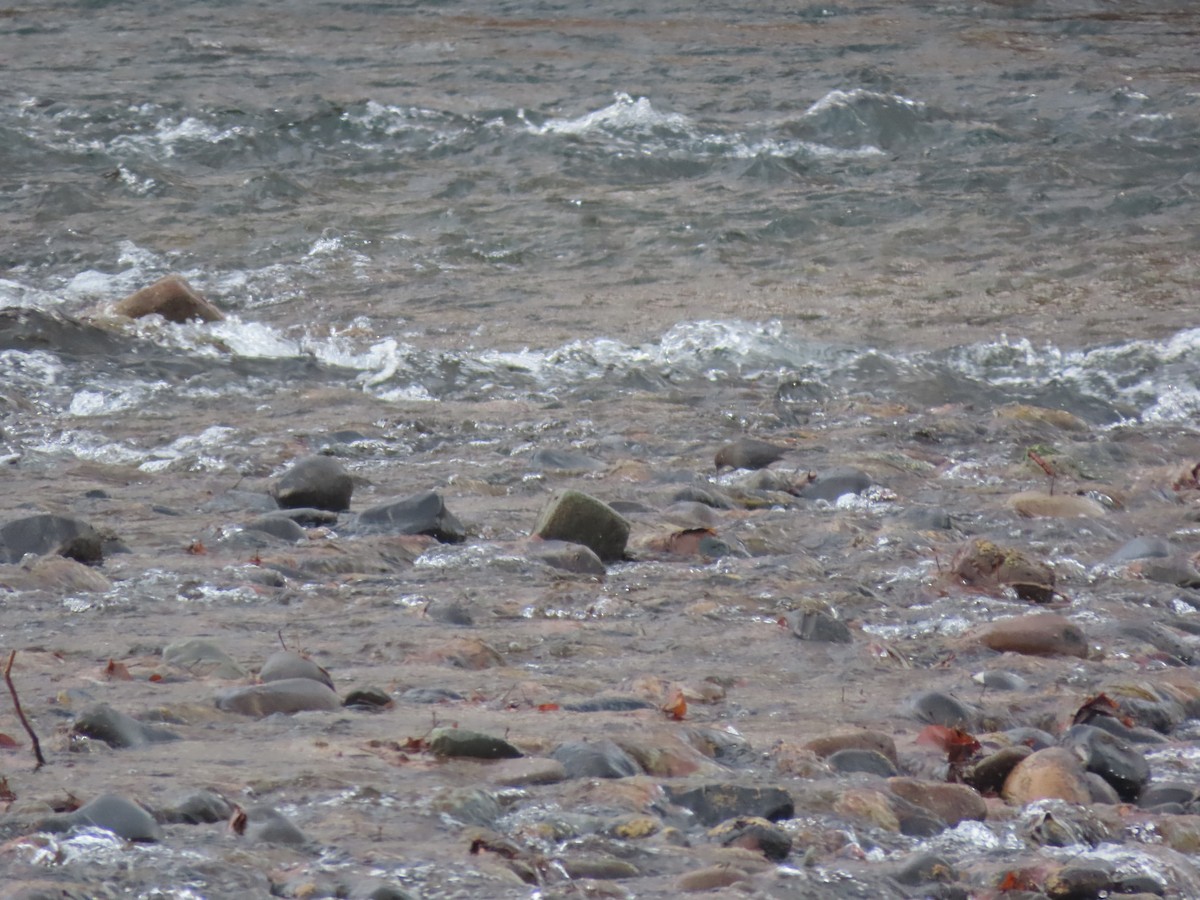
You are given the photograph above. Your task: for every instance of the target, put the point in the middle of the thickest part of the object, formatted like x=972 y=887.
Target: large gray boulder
x=582 y=519
x=317 y=481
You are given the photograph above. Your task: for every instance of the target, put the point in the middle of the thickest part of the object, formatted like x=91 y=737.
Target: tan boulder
x=1050 y=774
x=1041 y=634
x=173 y=299
x=952 y=803
x=829 y=744
x=1040 y=505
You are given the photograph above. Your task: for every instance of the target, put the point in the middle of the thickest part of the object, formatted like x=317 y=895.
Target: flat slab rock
x=290 y=695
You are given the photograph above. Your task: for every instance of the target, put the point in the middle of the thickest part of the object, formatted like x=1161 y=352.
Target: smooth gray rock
x=582 y=519
x=202 y=656
x=1117 y=762
x=714 y=803
x=936 y=708
x=748 y=453
x=595 y=759
x=816 y=625
x=460 y=742
x=424 y=513
x=857 y=759
x=836 y=482
x=47 y=533
x=291 y=695
x=283 y=664
x=1139 y=548
x=111 y=812
x=567 y=557
x=549 y=459
x=202 y=807
x=267 y=825
x=320 y=482
x=278 y=526
x=103 y=723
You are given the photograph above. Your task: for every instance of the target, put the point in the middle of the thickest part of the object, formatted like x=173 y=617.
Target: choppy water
x=763 y=214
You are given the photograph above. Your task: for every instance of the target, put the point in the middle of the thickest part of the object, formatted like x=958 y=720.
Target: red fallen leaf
x=156 y=678
x=416 y=745
x=7 y=742
x=954 y=742
x=676 y=706
x=197 y=548
x=237 y=822
x=1017 y=881
x=547 y=707
x=6 y=793
x=117 y=670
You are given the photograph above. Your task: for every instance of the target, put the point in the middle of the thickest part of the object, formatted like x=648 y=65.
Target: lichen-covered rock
x=582 y=519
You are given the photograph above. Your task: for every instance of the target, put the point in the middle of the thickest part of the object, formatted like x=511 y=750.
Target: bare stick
x=37 y=746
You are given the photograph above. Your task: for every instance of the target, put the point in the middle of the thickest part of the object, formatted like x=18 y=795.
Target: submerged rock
x=172 y=298
x=567 y=557
x=595 y=759
x=48 y=533
x=1121 y=765
x=986 y=566
x=474 y=744
x=103 y=723
x=1050 y=774
x=748 y=453
x=714 y=803
x=202 y=656
x=836 y=482
x=320 y=482
x=582 y=519
x=284 y=664
x=111 y=812
x=1041 y=634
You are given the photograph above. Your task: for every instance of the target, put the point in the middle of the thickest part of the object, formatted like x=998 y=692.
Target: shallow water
x=445 y=240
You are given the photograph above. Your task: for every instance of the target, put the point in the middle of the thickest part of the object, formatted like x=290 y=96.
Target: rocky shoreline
x=896 y=662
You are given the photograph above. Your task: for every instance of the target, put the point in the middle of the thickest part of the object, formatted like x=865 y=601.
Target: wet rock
x=714 y=803
x=549 y=459
x=467 y=653
x=1053 y=773
x=708 y=496
x=691 y=514
x=469 y=806
x=290 y=695
x=567 y=557
x=869 y=805
x=527 y=771
x=1121 y=765
x=67 y=576
x=47 y=533
x=1101 y=790
x=172 y=298
x=937 y=708
x=582 y=519
x=1081 y=881
x=989 y=774
x=424 y=513
x=307 y=516
x=111 y=812
x=431 y=695
x=689 y=543
x=856 y=760
x=201 y=656
x=836 y=482
x=925 y=868
x=320 y=482
x=952 y=803
x=278 y=527
x=928 y=518
x=450 y=612
x=608 y=704
x=266 y=825
x=666 y=755
x=986 y=566
x=1056 y=823
x=1035 y=504
x=1000 y=680
x=1177 y=571
x=710 y=879
x=198 y=808
x=284 y=664
x=103 y=723
x=368 y=699
x=752 y=833
x=599 y=866
x=819 y=625
x=1161 y=639
x=459 y=742
x=595 y=759
x=1139 y=548
x=748 y=453
x=878 y=741
x=1040 y=415
x=1162 y=792
x=1041 y=634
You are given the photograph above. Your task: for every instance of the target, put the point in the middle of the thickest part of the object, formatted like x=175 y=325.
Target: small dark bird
x=748 y=453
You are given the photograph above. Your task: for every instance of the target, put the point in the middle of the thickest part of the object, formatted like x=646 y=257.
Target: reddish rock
x=1043 y=634
x=829 y=744
x=173 y=299
x=986 y=566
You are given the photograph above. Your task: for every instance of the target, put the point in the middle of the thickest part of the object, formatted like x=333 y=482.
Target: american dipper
x=748 y=453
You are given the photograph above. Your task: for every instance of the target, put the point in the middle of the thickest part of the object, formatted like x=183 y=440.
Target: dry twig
x=37 y=745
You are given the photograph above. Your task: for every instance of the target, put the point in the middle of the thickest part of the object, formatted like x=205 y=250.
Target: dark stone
x=1160 y=792
x=928 y=518
x=47 y=533
x=122 y=817
x=320 y=482
x=291 y=695
x=754 y=833
x=1135 y=735
x=858 y=760
x=567 y=557
x=988 y=775
x=713 y=803
x=1033 y=738
x=459 y=742
x=307 y=517
x=936 y=708
x=424 y=513
x=836 y=482
x=368 y=699
x=103 y=723
x=816 y=625
x=1118 y=763
x=595 y=759
x=199 y=808
x=582 y=519
x=431 y=695
x=278 y=526
x=453 y=612
x=267 y=825
x=694 y=494
x=924 y=868
x=1077 y=881
x=608 y=704
x=287 y=664
x=748 y=453
x=1161 y=639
